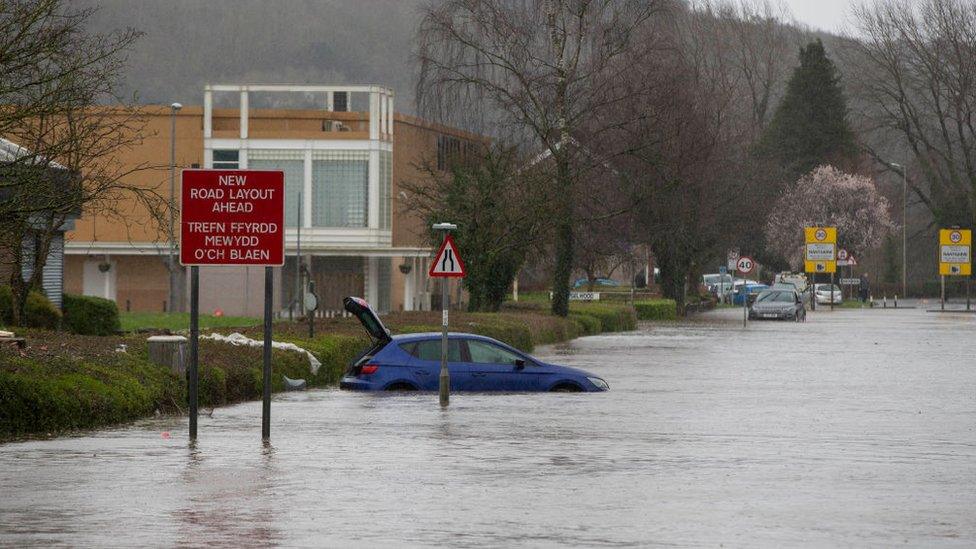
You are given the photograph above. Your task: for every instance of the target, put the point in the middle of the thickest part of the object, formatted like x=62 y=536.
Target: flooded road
x=857 y=428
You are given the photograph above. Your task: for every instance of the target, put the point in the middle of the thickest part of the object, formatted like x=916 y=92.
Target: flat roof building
x=343 y=162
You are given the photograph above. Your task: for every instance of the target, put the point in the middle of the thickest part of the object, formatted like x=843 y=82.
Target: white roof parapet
x=301 y=88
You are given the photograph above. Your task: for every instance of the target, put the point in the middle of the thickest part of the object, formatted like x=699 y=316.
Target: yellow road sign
x=821 y=250
x=955 y=252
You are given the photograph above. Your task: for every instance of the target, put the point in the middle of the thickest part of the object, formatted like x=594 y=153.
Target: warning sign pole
x=194 y=348
x=447 y=264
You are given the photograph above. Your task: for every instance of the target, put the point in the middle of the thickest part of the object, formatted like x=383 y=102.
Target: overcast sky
x=828 y=15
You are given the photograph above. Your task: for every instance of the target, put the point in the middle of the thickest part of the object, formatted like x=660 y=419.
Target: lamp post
x=904 y=229
x=174 y=286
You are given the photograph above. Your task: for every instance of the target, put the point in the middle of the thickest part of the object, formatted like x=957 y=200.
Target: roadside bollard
x=884 y=302
x=896 y=301
x=169 y=351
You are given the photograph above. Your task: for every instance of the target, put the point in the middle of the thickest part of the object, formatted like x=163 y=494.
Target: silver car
x=778 y=305
x=824 y=291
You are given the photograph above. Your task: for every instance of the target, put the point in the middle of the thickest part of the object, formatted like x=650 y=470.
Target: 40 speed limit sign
x=745 y=265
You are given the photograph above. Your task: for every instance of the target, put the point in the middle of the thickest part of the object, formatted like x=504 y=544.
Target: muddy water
x=857 y=428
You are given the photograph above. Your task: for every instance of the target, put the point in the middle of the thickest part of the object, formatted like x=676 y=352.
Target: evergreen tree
x=809 y=127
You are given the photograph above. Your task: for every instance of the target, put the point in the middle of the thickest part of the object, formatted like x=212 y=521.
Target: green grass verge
x=174 y=322
x=656 y=309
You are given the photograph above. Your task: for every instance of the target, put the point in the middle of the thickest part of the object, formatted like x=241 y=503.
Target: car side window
x=483 y=352
x=430 y=349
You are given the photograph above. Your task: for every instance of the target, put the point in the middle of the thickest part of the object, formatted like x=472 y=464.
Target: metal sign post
x=192 y=372
x=231 y=217
x=955 y=257
x=745 y=265
x=447 y=264
x=820 y=257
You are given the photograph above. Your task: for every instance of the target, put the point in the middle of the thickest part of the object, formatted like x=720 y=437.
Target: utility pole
x=904 y=229
x=175 y=297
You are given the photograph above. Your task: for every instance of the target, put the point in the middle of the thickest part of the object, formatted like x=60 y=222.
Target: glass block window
x=340 y=189
x=386 y=189
x=226 y=159
x=293 y=164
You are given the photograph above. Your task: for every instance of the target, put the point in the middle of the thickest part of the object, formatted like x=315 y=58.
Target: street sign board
x=745 y=265
x=722 y=269
x=821 y=249
x=842 y=254
x=232 y=217
x=732 y=259
x=447 y=263
x=955 y=252
x=850 y=281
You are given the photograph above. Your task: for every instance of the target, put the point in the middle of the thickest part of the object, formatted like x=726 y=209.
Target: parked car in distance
x=798 y=280
x=412 y=362
x=607 y=282
x=746 y=293
x=778 y=305
x=824 y=291
x=716 y=283
x=791 y=287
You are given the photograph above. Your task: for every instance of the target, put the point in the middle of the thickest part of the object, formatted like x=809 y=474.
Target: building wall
x=141 y=280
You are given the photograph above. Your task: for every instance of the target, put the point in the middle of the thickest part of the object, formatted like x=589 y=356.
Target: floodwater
x=856 y=428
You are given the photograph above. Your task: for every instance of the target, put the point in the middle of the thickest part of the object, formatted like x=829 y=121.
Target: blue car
x=747 y=293
x=412 y=362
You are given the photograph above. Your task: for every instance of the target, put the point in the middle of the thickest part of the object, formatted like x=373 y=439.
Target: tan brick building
x=343 y=164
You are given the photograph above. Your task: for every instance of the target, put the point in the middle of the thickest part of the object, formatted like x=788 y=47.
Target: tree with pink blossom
x=828 y=197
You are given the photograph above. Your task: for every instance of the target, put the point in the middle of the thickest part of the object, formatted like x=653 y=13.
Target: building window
x=340 y=101
x=226 y=159
x=448 y=152
x=293 y=164
x=340 y=189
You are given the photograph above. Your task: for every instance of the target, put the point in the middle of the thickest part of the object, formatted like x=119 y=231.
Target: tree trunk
x=674 y=278
x=565 y=239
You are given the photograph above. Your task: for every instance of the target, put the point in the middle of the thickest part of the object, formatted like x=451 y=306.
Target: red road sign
x=745 y=265
x=232 y=217
x=447 y=263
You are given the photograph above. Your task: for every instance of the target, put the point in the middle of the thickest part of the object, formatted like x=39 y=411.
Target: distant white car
x=823 y=291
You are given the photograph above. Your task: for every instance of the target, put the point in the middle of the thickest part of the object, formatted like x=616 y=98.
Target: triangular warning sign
x=448 y=261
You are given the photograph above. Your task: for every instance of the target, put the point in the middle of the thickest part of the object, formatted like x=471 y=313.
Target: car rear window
x=430 y=349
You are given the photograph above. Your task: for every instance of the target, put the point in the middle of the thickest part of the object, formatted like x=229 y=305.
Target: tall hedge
x=87 y=315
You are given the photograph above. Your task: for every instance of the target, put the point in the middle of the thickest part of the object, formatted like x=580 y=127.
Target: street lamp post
x=174 y=287
x=904 y=229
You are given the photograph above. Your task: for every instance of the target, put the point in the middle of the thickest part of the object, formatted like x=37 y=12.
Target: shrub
x=335 y=352
x=656 y=309
x=87 y=315
x=51 y=394
x=614 y=318
x=40 y=312
x=589 y=325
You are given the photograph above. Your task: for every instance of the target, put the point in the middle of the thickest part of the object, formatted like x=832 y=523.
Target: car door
x=495 y=368
x=425 y=363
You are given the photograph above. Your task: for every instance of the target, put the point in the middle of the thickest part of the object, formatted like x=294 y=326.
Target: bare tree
x=916 y=71
x=544 y=69
x=826 y=196
x=65 y=164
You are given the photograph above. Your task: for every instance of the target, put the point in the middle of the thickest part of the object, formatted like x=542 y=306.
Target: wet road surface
x=857 y=428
